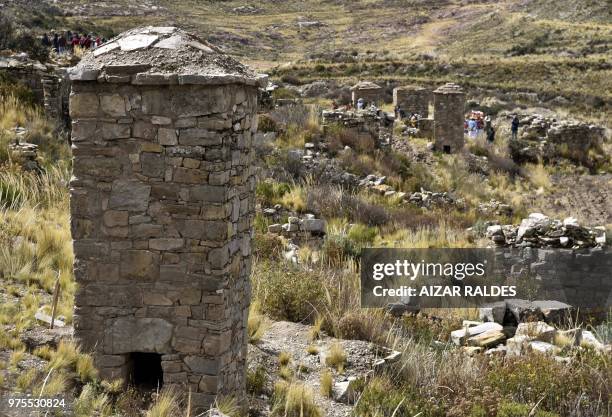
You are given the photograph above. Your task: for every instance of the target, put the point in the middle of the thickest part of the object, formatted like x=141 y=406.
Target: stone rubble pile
x=516 y=327
x=494 y=207
x=539 y=230
x=26 y=154
x=306 y=227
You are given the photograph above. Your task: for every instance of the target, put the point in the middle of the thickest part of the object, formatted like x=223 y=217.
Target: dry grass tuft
x=336 y=357
x=327 y=383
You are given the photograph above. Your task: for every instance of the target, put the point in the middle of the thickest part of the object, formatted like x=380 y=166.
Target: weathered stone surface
x=139 y=264
x=494 y=312
x=460 y=336
x=154 y=335
x=113 y=218
x=130 y=195
x=111 y=131
x=202 y=365
x=165 y=244
x=113 y=105
x=167 y=137
x=84 y=105
x=143 y=129
x=152 y=164
x=486 y=339
x=516 y=345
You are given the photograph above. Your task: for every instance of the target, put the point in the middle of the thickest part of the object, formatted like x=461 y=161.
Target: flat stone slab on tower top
x=162 y=55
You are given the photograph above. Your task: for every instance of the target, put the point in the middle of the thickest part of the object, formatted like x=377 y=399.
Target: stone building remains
x=372 y=93
x=363 y=125
x=449 y=108
x=162 y=202
x=50 y=86
x=412 y=99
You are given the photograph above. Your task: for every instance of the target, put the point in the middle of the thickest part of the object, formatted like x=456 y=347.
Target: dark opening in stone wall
x=146 y=370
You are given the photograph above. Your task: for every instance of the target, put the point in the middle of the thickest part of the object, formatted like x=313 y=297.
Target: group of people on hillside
x=67 y=42
x=477 y=124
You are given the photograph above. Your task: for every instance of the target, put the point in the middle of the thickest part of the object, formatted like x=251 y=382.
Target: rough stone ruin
x=49 y=85
x=412 y=99
x=162 y=201
x=362 y=124
x=372 y=93
x=539 y=230
x=449 y=110
x=546 y=138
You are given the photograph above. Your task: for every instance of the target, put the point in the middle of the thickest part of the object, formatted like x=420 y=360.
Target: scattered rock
x=460 y=336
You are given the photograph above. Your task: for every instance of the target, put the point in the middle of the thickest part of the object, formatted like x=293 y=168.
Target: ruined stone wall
x=56 y=90
x=449 y=107
x=162 y=202
x=30 y=77
x=412 y=99
x=370 y=95
x=578 y=277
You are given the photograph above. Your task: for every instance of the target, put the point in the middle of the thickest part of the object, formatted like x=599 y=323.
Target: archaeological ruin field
x=193 y=193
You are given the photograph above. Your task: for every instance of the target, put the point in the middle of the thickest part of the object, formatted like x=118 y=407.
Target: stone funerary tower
x=449 y=114
x=162 y=201
x=412 y=99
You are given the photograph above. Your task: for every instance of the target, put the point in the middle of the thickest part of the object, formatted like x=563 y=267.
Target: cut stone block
x=460 y=336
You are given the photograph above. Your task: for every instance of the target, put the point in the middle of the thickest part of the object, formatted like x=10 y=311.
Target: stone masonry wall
x=370 y=95
x=412 y=99
x=449 y=107
x=162 y=202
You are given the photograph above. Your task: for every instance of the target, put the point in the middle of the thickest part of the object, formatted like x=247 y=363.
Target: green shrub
x=267 y=246
x=266 y=124
x=382 y=398
x=362 y=235
x=284 y=93
x=256 y=380
x=270 y=192
x=287 y=293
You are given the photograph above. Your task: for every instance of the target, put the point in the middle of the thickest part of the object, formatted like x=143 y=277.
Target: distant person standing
x=360 y=104
x=62 y=44
x=491 y=135
x=514 y=127
x=46 y=41
x=75 y=41
x=56 y=43
x=472 y=128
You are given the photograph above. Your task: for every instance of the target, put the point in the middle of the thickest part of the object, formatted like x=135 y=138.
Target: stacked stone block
x=372 y=93
x=162 y=202
x=449 y=113
x=412 y=99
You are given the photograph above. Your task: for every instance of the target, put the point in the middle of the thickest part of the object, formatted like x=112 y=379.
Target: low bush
x=287 y=293
x=270 y=192
x=256 y=380
x=268 y=246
